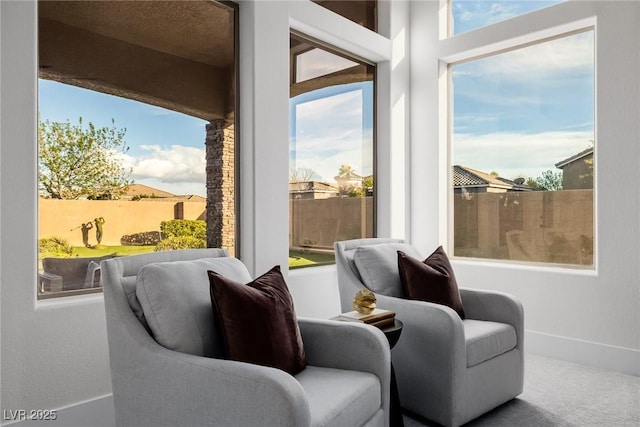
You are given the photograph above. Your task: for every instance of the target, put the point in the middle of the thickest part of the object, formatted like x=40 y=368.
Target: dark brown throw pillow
x=259 y=321
x=430 y=280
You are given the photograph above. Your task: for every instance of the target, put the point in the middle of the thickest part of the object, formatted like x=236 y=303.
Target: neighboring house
x=144 y=191
x=312 y=190
x=347 y=178
x=577 y=171
x=467 y=180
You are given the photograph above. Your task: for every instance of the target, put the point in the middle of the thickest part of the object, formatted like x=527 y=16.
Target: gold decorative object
x=364 y=302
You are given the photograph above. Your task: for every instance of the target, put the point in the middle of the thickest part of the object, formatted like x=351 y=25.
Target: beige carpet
x=558 y=393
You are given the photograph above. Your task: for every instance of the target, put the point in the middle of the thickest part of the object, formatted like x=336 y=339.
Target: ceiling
x=174 y=54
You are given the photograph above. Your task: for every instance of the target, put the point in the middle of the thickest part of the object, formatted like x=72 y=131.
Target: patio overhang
x=114 y=48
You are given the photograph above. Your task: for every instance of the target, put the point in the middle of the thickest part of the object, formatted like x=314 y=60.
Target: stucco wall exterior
x=64 y=218
x=543 y=226
x=318 y=223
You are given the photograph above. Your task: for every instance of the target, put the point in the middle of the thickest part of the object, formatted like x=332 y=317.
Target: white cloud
x=517 y=155
x=564 y=57
x=483 y=13
x=176 y=164
x=330 y=133
x=330 y=107
x=325 y=154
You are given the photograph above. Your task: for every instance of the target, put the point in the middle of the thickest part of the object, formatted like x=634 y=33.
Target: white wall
x=54 y=352
x=587 y=316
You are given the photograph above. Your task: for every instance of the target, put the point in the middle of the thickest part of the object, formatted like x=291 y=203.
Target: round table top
x=391 y=330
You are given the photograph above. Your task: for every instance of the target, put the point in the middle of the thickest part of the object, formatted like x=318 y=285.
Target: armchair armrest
x=430 y=354
x=432 y=328
x=183 y=389
x=50 y=282
x=349 y=346
x=495 y=307
x=344 y=345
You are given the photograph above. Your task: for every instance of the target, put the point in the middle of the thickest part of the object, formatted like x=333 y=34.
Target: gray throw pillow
x=378 y=266
x=176 y=303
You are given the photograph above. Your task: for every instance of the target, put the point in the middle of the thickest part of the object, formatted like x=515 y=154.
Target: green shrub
x=184 y=228
x=55 y=246
x=145 y=238
x=180 y=242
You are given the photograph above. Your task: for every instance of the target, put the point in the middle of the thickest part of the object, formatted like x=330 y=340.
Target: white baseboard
x=91 y=413
x=597 y=355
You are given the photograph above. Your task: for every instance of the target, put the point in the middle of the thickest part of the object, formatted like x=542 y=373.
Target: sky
x=330 y=128
x=471 y=14
x=521 y=112
x=166 y=148
x=517 y=113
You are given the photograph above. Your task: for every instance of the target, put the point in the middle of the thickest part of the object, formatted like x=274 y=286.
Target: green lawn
x=81 y=251
x=304 y=259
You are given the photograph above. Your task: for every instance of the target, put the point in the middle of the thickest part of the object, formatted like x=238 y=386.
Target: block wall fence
x=64 y=218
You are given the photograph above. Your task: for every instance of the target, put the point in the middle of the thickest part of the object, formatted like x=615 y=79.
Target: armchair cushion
x=431 y=280
x=378 y=267
x=174 y=297
x=486 y=340
x=258 y=321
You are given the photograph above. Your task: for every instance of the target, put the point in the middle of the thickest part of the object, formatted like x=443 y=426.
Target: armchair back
x=349 y=277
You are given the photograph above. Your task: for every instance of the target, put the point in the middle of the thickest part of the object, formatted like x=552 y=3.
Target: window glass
x=523 y=153
x=318 y=62
x=468 y=15
x=135 y=134
x=331 y=177
x=362 y=12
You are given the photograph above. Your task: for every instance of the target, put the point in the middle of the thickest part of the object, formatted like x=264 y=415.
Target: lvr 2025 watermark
x=33 y=414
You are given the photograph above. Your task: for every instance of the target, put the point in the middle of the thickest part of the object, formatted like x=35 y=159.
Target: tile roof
x=141 y=189
x=466 y=177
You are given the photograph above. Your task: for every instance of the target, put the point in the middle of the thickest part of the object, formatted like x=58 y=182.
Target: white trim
x=324 y=25
x=603 y=356
x=555 y=22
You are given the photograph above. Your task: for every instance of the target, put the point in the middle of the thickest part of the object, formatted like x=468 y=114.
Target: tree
x=303 y=174
x=74 y=161
x=550 y=181
x=367 y=183
x=533 y=184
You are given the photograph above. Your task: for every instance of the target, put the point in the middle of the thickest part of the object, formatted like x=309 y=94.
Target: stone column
x=220 y=185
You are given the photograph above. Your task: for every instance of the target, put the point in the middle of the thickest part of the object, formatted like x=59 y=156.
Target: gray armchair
x=448 y=370
x=346 y=381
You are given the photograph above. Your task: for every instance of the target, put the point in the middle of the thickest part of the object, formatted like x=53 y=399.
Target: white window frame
x=487 y=41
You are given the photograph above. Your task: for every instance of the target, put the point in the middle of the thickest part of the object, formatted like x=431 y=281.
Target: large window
x=523 y=153
x=331 y=154
x=136 y=134
x=467 y=15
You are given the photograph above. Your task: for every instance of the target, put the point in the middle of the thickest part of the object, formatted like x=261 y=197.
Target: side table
x=393 y=332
